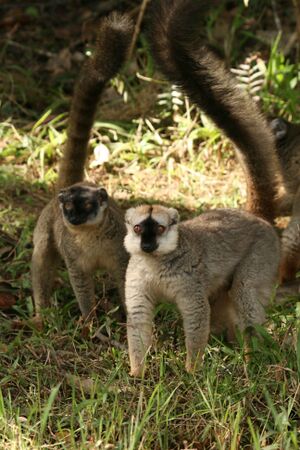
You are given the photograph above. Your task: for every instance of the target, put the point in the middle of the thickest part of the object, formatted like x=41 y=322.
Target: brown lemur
x=287 y=136
x=218 y=268
x=82 y=224
x=273 y=186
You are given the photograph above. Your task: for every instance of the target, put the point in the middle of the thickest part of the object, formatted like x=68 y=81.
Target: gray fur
x=222 y=270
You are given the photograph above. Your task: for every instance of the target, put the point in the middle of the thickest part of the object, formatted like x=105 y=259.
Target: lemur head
x=279 y=128
x=83 y=204
x=151 y=229
x=287 y=138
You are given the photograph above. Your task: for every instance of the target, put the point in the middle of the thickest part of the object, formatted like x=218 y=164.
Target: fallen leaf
x=101 y=155
x=3 y=348
x=7 y=300
x=33 y=323
x=5 y=251
x=86 y=384
x=14 y=16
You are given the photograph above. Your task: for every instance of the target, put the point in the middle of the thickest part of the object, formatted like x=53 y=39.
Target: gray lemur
x=82 y=225
x=272 y=176
x=218 y=268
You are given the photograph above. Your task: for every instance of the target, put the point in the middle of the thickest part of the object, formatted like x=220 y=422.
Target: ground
x=60 y=389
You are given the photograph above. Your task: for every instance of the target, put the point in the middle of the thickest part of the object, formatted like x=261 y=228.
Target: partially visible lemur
x=221 y=254
x=287 y=137
x=273 y=183
x=82 y=224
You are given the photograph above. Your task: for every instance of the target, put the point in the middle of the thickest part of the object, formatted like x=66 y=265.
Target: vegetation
x=63 y=390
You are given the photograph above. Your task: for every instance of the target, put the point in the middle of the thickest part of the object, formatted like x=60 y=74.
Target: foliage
x=282 y=87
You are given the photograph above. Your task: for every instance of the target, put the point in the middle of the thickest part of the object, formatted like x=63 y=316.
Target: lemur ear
x=102 y=194
x=174 y=214
x=61 y=196
x=279 y=128
x=128 y=215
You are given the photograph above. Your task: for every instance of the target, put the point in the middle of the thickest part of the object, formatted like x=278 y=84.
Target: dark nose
x=148 y=247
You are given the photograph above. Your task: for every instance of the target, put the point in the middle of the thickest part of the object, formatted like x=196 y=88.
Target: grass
x=61 y=390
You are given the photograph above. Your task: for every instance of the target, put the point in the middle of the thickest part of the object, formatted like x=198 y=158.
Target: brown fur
x=113 y=39
x=194 y=67
x=86 y=247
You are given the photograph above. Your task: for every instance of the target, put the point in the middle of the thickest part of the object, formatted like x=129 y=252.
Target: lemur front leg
x=140 y=312
x=83 y=286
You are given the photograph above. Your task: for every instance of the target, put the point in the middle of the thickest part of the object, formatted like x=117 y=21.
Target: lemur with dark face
x=82 y=224
x=218 y=268
x=273 y=186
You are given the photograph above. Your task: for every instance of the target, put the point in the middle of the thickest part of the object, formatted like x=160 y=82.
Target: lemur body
x=218 y=268
x=287 y=137
x=96 y=243
x=82 y=225
x=272 y=178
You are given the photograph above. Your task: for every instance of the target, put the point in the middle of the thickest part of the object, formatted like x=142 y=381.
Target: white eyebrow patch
x=160 y=218
x=137 y=215
x=165 y=216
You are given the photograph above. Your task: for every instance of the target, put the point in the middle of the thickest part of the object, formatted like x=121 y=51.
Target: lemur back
x=82 y=224
x=218 y=268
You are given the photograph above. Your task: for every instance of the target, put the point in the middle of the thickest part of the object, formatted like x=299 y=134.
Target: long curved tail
x=113 y=39
x=203 y=76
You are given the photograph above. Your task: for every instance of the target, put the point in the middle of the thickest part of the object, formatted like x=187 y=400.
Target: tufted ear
x=279 y=128
x=102 y=194
x=174 y=215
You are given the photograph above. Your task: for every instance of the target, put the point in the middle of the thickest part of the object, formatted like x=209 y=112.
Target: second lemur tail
x=113 y=40
x=202 y=75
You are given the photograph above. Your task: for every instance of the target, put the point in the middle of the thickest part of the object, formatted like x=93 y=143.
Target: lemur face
x=83 y=205
x=151 y=229
x=279 y=128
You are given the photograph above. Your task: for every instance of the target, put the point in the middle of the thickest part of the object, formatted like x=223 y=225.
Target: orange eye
x=137 y=229
x=160 y=229
x=68 y=206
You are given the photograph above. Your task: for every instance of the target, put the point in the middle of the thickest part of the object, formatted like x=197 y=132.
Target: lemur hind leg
x=253 y=285
x=195 y=311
